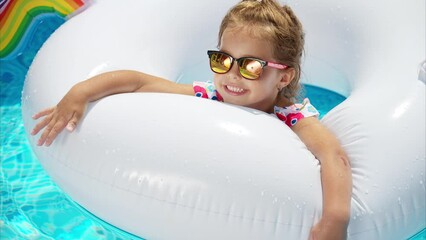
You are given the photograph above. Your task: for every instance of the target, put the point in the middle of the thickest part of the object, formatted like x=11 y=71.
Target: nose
x=234 y=72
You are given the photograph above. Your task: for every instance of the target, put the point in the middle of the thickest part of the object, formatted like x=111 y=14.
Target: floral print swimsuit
x=289 y=115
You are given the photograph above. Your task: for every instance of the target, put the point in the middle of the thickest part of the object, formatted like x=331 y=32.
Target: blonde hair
x=278 y=25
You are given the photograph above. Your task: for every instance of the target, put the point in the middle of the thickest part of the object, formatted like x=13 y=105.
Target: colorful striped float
x=16 y=17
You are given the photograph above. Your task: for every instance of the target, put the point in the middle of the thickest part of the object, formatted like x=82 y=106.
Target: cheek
x=265 y=88
x=268 y=84
x=270 y=80
x=218 y=78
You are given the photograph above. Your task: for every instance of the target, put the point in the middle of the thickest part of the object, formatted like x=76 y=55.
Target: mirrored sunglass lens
x=250 y=68
x=220 y=63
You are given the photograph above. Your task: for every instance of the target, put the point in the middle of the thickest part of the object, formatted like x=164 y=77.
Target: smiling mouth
x=234 y=90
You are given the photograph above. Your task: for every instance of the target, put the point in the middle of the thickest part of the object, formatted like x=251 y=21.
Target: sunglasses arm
x=276 y=65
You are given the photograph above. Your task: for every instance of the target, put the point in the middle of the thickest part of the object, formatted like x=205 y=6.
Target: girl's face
x=261 y=93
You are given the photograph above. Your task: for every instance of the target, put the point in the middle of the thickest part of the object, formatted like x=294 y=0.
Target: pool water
x=31 y=205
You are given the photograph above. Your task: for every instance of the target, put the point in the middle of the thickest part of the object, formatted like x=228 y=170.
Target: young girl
x=257 y=66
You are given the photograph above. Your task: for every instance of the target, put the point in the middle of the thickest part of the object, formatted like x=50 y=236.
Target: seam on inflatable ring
x=182 y=205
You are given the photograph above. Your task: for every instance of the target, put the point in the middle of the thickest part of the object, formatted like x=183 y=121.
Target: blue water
x=32 y=206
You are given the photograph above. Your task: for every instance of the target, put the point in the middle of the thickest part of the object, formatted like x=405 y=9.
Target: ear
x=286 y=77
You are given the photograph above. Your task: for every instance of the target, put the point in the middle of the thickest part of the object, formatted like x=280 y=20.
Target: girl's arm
x=336 y=178
x=71 y=108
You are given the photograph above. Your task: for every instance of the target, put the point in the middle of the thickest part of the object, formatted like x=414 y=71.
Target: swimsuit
x=289 y=115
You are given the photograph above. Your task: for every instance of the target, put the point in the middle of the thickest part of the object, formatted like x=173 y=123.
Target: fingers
x=42 y=113
x=65 y=114
x=73 y=122
x=312 y=234
x=71 y=126
x=53 y=125
x=45 y=121
x=41 y=125
x=52 y=130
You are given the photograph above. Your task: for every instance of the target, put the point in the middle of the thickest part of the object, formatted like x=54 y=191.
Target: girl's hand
x=67 y=114
x=329 y=229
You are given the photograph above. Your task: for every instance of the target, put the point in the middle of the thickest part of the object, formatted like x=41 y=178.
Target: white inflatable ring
x=177 y=167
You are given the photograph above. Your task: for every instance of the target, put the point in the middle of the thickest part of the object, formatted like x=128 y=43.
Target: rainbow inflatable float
x=200 y=175
x=16 y=17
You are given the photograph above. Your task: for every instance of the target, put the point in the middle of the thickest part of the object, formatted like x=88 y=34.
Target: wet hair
x=267 y=19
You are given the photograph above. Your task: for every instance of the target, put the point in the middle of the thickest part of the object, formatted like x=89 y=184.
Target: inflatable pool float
x=16 y=18
x=198 y=175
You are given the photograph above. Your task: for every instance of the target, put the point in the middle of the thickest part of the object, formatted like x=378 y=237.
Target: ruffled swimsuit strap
x=292 y=114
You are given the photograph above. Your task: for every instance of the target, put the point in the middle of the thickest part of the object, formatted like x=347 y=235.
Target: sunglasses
x=250 y=68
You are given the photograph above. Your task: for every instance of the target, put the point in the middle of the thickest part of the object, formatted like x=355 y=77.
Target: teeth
x=235 y=89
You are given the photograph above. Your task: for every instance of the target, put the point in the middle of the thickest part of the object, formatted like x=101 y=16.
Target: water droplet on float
x=262 y=193
x=421 y=182
x=366 y=192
